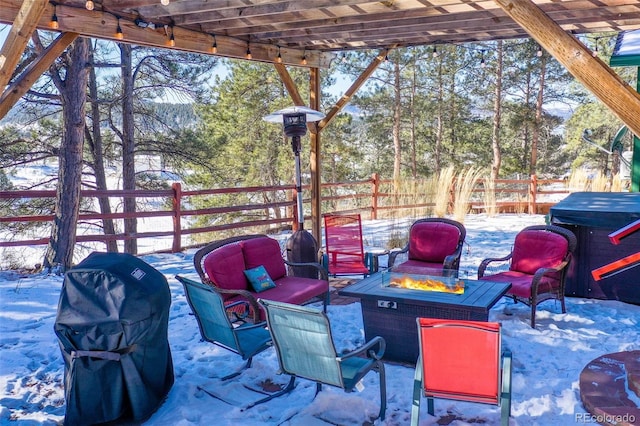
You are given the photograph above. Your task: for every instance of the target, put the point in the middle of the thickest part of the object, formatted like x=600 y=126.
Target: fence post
x=177 y=207
x=375 y=180
x=533 y=189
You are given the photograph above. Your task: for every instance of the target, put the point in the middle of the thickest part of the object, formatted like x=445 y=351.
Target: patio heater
x=301 y=246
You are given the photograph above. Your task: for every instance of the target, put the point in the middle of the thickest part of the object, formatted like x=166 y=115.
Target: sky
x=547 y=360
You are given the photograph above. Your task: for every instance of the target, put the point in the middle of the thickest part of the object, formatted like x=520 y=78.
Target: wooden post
x=375 y=180
x=533 y=190
x=177 y=226
x=314 y=158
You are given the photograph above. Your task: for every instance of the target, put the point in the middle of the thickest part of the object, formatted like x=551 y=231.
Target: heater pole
x=295 y=145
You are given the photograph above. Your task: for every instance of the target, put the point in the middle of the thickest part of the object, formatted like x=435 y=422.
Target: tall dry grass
x=465 y=183
x=444 y=184
x=616 y=183
x=600 y=183
x=489 y=196
x=578 y=181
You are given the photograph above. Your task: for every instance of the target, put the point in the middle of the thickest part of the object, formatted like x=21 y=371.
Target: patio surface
x=337 y=284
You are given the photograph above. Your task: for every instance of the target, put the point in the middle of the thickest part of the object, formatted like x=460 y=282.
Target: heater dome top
x=278 y=116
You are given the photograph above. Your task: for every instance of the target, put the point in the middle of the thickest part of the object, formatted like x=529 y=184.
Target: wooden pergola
x=310 y=33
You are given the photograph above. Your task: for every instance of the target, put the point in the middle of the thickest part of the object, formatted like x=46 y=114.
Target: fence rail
x=271 y=207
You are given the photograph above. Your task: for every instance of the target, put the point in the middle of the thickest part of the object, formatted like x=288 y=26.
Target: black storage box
x=592 y=216
x=111 y=325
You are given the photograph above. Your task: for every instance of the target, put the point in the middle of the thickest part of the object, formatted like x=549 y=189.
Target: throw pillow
x=259 y=279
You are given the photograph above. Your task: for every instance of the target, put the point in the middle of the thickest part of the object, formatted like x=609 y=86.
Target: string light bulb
x=304 y=58
x=119 y=34
x=164 y=2
x=279 y=57
x=539 y=52
x=435 y=52
x=482 y=62
x=214 y=46
x=595 y=51
x=172 y=39
x=53 y=24
x=89 y=5
x=248 y=51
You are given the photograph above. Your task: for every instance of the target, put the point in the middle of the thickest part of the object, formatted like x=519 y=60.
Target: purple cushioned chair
x=538 y=263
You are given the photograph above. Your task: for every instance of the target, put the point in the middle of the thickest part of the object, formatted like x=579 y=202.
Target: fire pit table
x=389 y=309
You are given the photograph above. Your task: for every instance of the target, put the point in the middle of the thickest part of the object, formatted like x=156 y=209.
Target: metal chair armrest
x=251 y=299
x=382 y=345
x=261 y=324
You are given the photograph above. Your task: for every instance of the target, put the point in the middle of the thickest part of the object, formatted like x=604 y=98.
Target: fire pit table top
x=476 y=294
x=390 y=311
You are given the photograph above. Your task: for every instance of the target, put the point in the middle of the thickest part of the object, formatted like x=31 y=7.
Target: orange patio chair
x=461 y=360
x=345 y=253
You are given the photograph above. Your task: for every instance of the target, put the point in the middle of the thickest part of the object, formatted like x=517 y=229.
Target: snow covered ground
x=547 y=360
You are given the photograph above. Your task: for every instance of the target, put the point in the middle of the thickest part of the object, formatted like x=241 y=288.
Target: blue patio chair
x=215 y=326
x=305 y=348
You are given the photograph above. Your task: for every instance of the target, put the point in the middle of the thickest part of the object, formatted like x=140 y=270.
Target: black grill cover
x=111 y=325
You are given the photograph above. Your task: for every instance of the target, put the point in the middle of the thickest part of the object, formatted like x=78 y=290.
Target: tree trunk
x=94 y=138
x=397 y=148
x=412 y=112
x=128 y=148
x=59 y=252
x=497 y=114
x=526 y=123
x=439 y=120
x=538 y=122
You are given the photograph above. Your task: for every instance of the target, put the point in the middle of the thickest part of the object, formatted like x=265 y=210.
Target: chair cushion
x=533 y=250
x=259 y=279
x=225 y=267
x=294 y=290
x=415 y=266
x=264 y=251
x=521 y=283
x=432 y=241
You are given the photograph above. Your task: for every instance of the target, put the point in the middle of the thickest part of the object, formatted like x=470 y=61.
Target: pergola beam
x=23 y=83
x=23 y=26
x=597 y=77
x=344 y=100
x=102 y=25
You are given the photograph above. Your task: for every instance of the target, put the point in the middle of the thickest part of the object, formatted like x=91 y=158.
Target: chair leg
x=533 y=314
x=430 y=406
x=383 y=390
x=505 y=393
x=237 y=373
x=417 y=393
x=287 y=389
